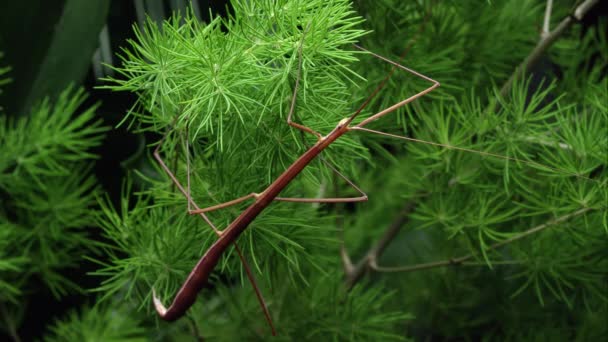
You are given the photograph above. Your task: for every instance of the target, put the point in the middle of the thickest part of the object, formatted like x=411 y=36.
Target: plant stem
x=545 y=43
x=354 y=274
x=461 y=260
x=547 y=21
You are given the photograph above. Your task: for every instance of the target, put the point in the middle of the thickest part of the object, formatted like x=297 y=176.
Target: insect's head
x=341 y=127
x=342 y=123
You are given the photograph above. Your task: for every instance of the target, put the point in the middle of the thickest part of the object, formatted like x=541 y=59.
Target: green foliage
x=98 y=323
x=555 y=136
x=3 y=71
x=511 y=188
x=61 y=140
x=48 y=194
x=11 y=264
x=360 y=315
x=196 y=75
x=320 y=309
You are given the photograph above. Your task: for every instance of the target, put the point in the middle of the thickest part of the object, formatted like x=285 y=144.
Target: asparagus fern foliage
x=48 y=193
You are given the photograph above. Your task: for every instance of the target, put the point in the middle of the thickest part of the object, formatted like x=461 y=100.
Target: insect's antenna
x=393 y=69
x=483 y=153
x=397 y=105
x=294 y=97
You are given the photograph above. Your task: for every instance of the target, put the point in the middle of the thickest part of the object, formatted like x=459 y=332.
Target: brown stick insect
x=199 y=276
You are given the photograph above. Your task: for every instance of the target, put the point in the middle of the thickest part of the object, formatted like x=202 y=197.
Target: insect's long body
x=186 y=296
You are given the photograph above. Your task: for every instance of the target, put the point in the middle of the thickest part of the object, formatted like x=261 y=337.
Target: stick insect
x=186 y=296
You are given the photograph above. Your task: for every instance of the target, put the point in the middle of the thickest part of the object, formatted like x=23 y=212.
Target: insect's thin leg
x=177 y=183
x=292 y=107
x=383 y=83
x=158 y=304
x=223 y=205
x=361 y=198
x=186 y=141
x=397 y=105
x=174 y=168
x=483 y=153
x=451 y=147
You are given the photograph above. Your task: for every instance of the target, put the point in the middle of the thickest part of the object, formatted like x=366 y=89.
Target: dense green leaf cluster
x=513 y=187
x=98 y=323
x=47 y=193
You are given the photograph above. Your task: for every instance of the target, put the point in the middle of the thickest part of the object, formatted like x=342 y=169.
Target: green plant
x=98 y=323
x=525 y=232
x=48 y=194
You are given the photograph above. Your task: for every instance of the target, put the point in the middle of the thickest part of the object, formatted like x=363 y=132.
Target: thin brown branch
x=539 y=228
x=545 y=43
x=461 y=260
x=355 y=273
x=547 y=21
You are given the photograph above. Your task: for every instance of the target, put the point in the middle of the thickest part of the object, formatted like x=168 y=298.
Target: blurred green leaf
x=49 y=46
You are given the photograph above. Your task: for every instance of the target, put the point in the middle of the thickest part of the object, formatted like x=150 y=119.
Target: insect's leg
x=158 y=304
x=223 y=205
x=361 y=198
x=177 y=183
x=189 y=196
x=402 y=103
x=434 y=85
x=292 y=107
x=174 y=167
x=483 y=153
x=212 y=208
x=186 y=142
